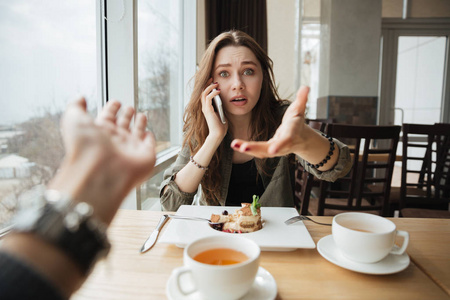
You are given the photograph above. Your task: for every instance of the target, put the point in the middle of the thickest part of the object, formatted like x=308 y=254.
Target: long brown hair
x=263 y=121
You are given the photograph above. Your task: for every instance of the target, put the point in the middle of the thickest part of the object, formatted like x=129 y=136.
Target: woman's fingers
x=302 y=99
x=257 y=149
x=208 y=93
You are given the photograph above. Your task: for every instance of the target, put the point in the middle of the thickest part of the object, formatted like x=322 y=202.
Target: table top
x=299 y=274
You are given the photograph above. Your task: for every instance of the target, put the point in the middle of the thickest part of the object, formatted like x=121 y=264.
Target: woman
x=236 y=68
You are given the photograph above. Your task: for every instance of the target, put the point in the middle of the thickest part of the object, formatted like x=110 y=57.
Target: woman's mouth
x=239 y=100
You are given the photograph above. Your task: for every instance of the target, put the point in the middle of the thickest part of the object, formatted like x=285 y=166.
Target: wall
x=282 y=31
x=281 y=44
x=417 y=8
x=281 y=39
x=201 y=33
x=350 y=50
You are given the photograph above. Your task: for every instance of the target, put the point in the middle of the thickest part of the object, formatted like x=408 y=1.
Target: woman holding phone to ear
x=249 y=154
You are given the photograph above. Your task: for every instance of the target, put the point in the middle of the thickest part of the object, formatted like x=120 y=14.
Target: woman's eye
x=223 y=74
x=248 y=72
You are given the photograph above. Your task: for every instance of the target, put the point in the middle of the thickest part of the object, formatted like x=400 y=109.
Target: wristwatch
x=68 y=225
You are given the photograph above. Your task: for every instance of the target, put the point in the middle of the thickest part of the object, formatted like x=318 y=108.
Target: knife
x=154 y=236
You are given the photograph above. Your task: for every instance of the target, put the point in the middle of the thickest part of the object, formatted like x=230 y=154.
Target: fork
x=302 y=218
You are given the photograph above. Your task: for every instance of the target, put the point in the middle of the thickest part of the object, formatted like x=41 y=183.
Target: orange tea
x=221 y=256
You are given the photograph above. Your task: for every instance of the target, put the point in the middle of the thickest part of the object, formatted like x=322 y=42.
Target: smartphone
x=217 y=103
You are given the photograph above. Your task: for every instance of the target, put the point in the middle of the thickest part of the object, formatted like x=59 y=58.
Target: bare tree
x=42 y=144
x=154 y=94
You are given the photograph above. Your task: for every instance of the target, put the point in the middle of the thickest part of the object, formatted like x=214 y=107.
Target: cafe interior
x=379 y=78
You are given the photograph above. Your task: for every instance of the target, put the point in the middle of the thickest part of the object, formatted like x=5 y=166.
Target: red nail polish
x=217 y=89
x=246 y=149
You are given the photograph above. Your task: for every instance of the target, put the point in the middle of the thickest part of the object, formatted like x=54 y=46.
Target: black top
x=244 y=183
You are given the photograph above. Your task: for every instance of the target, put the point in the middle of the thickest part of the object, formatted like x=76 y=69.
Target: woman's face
x=240 y=77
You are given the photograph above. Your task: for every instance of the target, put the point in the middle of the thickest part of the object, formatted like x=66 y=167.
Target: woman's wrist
x=315 y=148
x=213 y=141
x=309 y=142
x=85 y=180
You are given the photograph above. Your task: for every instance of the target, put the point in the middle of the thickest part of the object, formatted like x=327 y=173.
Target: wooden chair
x=352 y=192
x=319 y=124
x=442 y=181
x=304 y=181
x=427 y=195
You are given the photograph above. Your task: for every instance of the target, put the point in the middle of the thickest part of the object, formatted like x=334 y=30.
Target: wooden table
x=300 y=274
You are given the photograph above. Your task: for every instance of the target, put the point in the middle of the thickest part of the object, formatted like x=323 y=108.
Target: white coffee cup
x=366 y=238
x=218 y=281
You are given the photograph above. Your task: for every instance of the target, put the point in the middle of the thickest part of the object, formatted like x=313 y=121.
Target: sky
x=47 y=56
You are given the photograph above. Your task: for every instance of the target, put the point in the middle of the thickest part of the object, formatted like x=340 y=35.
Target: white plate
x=389 y=265
x=264 y=288
x=274 y=236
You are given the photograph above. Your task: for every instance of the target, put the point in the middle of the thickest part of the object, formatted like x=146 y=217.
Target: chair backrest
x=425 y=160
x=319 y=124
x=304 y=181
x=373 y=150
x=442 y=171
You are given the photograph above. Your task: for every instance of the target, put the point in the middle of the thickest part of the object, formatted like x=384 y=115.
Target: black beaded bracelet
x=327 y=158
x=197 y=164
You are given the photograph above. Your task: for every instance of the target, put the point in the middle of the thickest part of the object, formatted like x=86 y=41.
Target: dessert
x=243 y=220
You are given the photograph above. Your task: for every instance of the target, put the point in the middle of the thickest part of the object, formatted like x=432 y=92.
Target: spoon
x=194 y=219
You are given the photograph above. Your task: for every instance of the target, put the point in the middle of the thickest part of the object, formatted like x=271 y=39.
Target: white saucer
x=264 y=287
x=389 y=265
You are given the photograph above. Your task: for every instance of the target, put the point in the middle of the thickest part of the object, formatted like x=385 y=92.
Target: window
x=160 y=71
x=420 y=79
x=148 y=59
x=53 y=51
x=309 y=74
x=48 y=57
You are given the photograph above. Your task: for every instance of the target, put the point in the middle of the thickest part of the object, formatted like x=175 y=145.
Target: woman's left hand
x=289 y=137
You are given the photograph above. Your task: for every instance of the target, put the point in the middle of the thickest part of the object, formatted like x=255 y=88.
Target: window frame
x=118 y=68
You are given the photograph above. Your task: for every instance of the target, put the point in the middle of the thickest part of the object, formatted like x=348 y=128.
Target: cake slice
x=241 y=221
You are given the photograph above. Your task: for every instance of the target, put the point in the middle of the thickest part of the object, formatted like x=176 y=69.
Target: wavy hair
x=263 y=120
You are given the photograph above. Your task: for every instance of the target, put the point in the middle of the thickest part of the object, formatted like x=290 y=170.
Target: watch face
x=33 y=199
x=26 y=218
x=51 y=221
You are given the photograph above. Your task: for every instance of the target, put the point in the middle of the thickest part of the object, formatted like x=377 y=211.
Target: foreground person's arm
x=104 y=161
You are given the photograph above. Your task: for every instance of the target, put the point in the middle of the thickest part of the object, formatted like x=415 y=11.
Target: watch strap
x=71 y=227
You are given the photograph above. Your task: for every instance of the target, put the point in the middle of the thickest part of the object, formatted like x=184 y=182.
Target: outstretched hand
x=104 y=160
x=106 y=153
x=289 y=136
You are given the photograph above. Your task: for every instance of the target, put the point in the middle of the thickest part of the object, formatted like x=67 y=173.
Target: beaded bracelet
x=197 y=164
x=327 y=158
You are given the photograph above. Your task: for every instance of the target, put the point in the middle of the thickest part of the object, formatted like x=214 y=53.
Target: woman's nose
x=238 y=84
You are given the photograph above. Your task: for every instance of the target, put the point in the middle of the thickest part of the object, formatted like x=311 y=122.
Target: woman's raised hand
x=217 y=130
x=289 y=137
